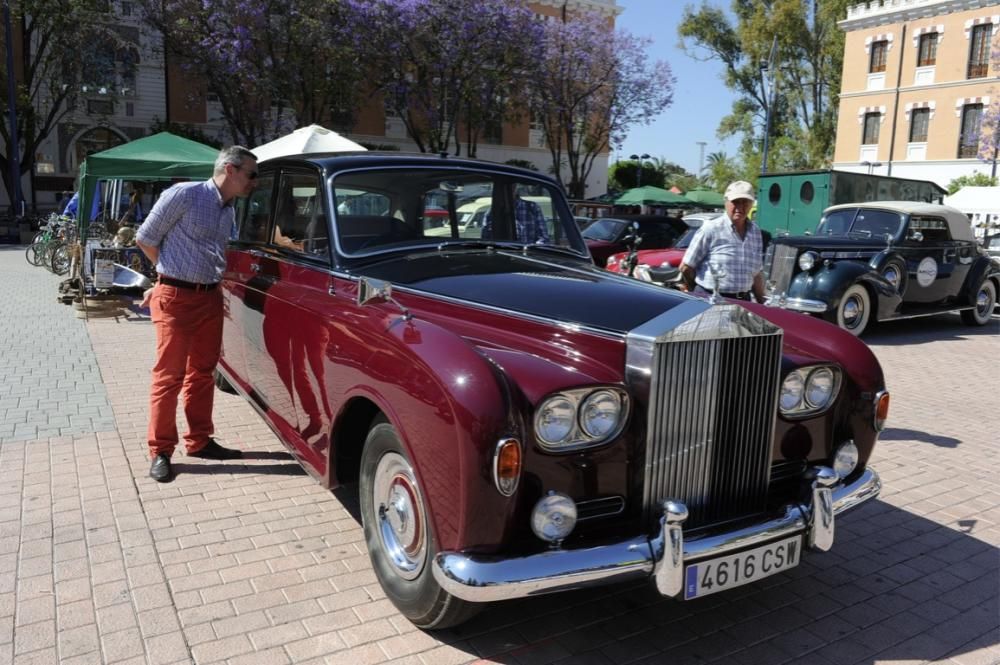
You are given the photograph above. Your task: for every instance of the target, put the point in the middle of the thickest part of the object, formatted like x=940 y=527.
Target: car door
x=292 y=374
x=240 y=328
x=935 y=272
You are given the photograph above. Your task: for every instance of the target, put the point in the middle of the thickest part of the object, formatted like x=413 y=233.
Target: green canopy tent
x=162 y=156
x=650 y=195
x=706 y=198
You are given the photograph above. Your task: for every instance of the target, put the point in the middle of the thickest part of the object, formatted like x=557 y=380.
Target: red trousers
x=188 y=343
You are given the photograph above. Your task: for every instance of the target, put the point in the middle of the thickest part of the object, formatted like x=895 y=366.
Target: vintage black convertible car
x=884 y=260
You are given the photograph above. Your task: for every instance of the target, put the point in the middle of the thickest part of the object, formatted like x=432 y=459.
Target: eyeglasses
x=250 y=174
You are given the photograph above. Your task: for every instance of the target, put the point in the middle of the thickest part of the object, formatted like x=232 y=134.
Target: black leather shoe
x=213 y=450
x=160 y=470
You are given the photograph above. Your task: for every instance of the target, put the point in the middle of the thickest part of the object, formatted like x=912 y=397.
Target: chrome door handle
x=255 y=267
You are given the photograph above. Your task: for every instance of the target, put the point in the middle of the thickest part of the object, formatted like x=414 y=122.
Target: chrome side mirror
x=373 y=289
x=370 y=290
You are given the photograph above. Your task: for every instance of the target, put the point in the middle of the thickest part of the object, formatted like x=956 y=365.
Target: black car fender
x=830 y=280
x=982 y=268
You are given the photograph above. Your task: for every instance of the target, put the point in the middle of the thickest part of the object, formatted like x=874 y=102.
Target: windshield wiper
x=553 y=248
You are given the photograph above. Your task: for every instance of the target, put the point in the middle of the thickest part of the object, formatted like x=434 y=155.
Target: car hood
x=821 y=243
x=567 y=291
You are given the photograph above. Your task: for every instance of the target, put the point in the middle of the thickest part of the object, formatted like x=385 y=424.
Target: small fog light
x=845 y=459
x=553 y=517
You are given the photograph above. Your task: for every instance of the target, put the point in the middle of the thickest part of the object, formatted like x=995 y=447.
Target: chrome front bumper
x=798 y=304
x=486 y=578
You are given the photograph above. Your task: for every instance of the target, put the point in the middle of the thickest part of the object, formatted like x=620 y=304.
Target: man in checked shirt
x=727 y=253
x=185 y=235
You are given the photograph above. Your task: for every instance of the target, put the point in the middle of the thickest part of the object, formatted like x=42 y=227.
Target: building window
x=872 y=123
x=979 y=51
x=968 y=140
x=927 y=55
x=878 y=56
x=919 y=119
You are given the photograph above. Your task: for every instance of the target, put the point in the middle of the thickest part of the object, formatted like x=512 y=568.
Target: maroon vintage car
x=610 y=235
x=519 y=421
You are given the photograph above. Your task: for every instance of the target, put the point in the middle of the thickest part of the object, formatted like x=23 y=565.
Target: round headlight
x=600 y=414
x=791 y=391
x=819 y=387
x=807 y=260
x=554 y=420
x=845 y=459
x=553 y=517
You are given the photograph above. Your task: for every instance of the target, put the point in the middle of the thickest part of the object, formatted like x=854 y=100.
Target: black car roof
x=335 y=161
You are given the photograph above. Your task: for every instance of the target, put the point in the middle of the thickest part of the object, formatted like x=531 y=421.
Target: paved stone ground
x=250 y=562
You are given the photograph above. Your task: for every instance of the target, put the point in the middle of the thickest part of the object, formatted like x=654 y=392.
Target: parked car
x=884 y=260
x=519 y=421
x=648 y=258
x=606 y=236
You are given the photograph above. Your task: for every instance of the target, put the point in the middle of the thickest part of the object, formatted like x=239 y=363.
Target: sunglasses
x=250 y=174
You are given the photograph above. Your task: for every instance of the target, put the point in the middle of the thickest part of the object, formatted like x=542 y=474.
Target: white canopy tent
x=313 y=138
x=982 y=205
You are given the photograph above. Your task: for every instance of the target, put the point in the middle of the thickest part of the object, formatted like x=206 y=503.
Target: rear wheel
x=986 y=299
x=400 y=543
x=853 y=311
x=59 y=260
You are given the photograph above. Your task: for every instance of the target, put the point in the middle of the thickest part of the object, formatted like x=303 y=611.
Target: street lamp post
x=638 y=169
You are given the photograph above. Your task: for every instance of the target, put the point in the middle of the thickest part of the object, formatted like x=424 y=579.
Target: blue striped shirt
x=718 y=243
x=190 y=225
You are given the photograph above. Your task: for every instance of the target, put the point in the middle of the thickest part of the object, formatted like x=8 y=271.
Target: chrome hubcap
x=983 y=304
x=401 y=523
x=852 y=312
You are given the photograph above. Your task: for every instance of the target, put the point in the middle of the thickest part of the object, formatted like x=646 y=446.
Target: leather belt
x=181 y=284
x=735 y=295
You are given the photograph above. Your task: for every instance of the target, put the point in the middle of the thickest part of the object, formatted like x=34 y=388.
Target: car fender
x=450 y=406
x=983 y=267
x=831 y=280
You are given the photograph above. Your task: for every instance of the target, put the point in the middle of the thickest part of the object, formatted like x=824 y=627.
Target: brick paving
x=251 y=562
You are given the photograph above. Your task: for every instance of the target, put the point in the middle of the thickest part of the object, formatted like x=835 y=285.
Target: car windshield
x=686 y=238
x=861 y=222
x=604 y=229
x=414 y=207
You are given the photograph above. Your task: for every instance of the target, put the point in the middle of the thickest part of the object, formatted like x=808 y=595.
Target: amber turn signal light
x=507 y=465
x=881 y=410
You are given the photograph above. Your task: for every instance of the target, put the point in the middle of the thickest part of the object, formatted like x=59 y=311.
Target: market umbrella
x=650 y=195
x=313 y=138
x=705 y=197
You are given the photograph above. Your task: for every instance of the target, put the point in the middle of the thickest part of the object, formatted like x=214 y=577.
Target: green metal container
x=792 y=203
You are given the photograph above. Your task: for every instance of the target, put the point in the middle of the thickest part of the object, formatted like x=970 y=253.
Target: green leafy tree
x=977 y=179
x=782 y=57
x=64 y=46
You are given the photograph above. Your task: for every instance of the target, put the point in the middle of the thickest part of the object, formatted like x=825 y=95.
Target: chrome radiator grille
x=779 y=266
x=712 y=405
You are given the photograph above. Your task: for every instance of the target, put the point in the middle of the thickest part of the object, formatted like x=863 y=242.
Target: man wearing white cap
x=729 y=249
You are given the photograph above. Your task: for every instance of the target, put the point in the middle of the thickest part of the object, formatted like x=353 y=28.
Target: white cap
x=741 y=189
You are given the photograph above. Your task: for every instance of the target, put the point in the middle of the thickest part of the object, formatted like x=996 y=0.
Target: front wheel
x=853 y=311
x=400 y=543
x=986 y=299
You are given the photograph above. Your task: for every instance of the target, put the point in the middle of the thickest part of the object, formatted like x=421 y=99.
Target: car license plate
x=726 y=572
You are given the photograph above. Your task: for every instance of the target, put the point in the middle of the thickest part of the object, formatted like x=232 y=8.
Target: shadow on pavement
x=290 y=469
x=901 y=434
x=895 y=587
x=922 y=330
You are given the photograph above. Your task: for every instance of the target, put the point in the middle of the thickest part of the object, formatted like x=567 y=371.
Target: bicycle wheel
x=35 y=253
x=59 y=262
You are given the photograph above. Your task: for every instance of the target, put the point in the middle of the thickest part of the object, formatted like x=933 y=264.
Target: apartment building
x=917 y=78
x=127 y=100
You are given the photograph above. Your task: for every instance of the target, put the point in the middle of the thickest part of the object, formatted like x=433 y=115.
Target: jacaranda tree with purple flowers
x=272 y=64
x=591 y=85
x=989 y=127
x=446 y=64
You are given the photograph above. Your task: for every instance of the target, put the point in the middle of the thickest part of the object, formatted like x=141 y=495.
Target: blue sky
x=701 y=98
